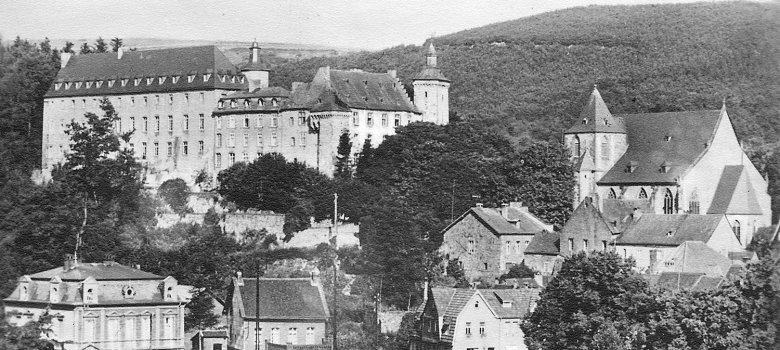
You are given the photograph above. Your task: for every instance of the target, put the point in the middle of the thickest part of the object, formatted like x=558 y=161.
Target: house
x=543 y=254
x=306 y=122
x=212 y=339
x=586 y=230
x=655 y=238
x=165 y=95
x=669 y=163
x=457 y=318
x=276 y=311
x=488 y=241
x=102 y=305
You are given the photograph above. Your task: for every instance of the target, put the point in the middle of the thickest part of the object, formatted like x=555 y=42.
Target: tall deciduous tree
x=101 y=45
x=116 y=43
x=343 y=154
x=85 y=49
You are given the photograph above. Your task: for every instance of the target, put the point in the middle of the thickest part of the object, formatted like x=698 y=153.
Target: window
x=642 y=193
x=168 y=327
x=219 y=122
x=90 y=326
x=471 y=246
x=576 y=147
x=157 y=123
x=508 y=246
x=370 y=119
x=571 y=245
x=246 y=104
x=611 y=194
x=274 y=102
x=201 y=122
x=157 y=99
x=146 y=331
x=232 y=122
x=184 y=148
x=292 y=141
x=738 y=230
x=292 y=336
x=156 y=149
x=310 y=335
x=303 y=138
x=232 y=140
x=200 y=147
x=143 y=152
x=260 y=139
x=384 y=119
x=186 y=122
x=170 y=123
x=693 y=203
x=301 y=118
x=186 y=96
x=486 y=266
x=170 y=149
x=130 y=329
x=603 y=245
x=246 y=122
x=218 y=160
x=219 y=140
x=275 y=121
x=146 y=124
x=274 y=139
x=259 y=121
x=231 y=158
x=605 y=151
x=355 y=119
x=113 y=329
x=246 y=139
x=170 y=99
x=397 y=120
x=518 y=247
x=668 y=202
x=232 y=103
x=275 y=336
x=468 y=328
x=585 y=245
x=202 y=97
x=221 y=104
x=482 y=328
x=292 y=121
x=245 y=157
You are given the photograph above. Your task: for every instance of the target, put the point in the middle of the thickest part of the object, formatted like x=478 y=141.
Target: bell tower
x=431 y=91
x=596 y=141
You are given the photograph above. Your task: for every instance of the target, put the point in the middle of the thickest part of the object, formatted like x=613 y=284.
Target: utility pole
x=257 y=308
x=335 y=270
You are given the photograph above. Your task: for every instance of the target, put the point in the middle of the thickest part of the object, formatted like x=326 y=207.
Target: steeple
x=431 y=91
x=431 y=55
x=596 y=117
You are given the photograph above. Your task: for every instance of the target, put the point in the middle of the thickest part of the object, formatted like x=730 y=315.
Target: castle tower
x=431 y=91
x=256 y=73
x=596 y=141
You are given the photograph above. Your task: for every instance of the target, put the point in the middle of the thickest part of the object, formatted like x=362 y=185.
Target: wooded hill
x=529 y=77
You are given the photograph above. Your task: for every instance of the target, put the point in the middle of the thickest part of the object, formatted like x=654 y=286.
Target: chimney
x=64 y=58
x=393 y=73
x=505 y=210
x=120 y=52
x=70 y=262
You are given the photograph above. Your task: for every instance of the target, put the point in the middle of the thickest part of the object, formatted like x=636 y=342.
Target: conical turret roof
x=595 y=117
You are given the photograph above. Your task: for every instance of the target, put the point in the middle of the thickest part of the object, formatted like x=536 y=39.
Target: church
x=670 y=163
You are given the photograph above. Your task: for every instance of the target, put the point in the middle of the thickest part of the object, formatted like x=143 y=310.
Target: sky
x=363 y=24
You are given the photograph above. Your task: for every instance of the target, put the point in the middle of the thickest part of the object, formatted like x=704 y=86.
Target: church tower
x=257 y=74
x=431 y=91
x=596 y=141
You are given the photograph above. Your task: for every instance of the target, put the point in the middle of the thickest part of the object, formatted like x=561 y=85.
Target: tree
x=545 y=181
x=100 y=45
x=27 y=337
x=85 y=49
x=343 y=154
x=175 y=192
x=68 y=47
x=518 y=271
x=116 y=43
x=592 y=297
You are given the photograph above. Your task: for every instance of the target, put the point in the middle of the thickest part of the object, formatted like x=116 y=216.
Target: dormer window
x=233 y=79
x=190 y=78
x=89 y=295
x=136 y=81
x=128 y=292
x=78 y=85
x=54 y=292
x=667 y=138
x=631 y=166
x=260 y=102
x=669 y=233
x=57 y=86
x=642 y=193
x=274 y=103
x=67 y=85
x=232 y=103
x=584 y=122
x=246 y=104
x=161 y=80
x=241 y=80
x=222 y=78
x=124 y=82
x=24 y=293
x=89 y=84
x=175 y=79
x=149 y=81
x=98 y=84
x=206 y=77
x=221 y=104
x=664 y=167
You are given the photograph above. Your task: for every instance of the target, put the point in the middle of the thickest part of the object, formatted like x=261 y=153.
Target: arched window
x=668 y=202
x=605 y=151
x=738 y=230
x=611 y=194
x=693 y=203
x=576 y=147
x=642 y=193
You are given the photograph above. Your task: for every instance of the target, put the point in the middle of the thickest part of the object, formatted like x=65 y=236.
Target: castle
x=192 y=111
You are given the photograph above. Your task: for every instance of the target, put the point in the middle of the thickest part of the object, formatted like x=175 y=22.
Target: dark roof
x=587 y=220
x=595 y=117
x=99 y=271
x=493 y=219
x=431 y=73
x=169 y=63
x=688 y=134
x=734 y=194
x=544 y=243
x=258 y=100
x=655 y=229
x=284 y=298
x=520 y=300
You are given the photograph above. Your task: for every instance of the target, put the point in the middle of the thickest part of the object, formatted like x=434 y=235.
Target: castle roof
x=596 y=117
x=141 y=72
x=734 y=194
x=670 y=229
x=673 y=139
x=282 y=299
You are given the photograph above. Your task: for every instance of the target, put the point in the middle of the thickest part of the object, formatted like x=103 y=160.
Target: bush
x=175 y=193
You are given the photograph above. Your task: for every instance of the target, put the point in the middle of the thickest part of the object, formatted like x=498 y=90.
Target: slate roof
x=284 y=298
x=518 y=221
x=734 y=194
x=431 y=73
x=587 y=220
x=688 y=134
x=170 y=62
x=595 y=117
x=698 y=257
x=654 y=229
x=105 y=271
x=544 y=243
x=677 y=281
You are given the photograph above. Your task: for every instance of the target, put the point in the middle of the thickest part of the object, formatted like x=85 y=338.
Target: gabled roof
x=698 y=257
x=284 y=299
x=678 y=281
x=675 y=138
x=595 y=117
x=586 y=220
x=170 y=62
x=518 y=220
x=105 y=271
x=544 y=243
x=670 y=229
x=734 y=194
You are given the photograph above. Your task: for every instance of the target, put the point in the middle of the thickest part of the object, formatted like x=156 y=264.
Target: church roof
x=675 y=138
x=595 y=117
x=734 y=194
x=171 y=62
x=670 y=229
